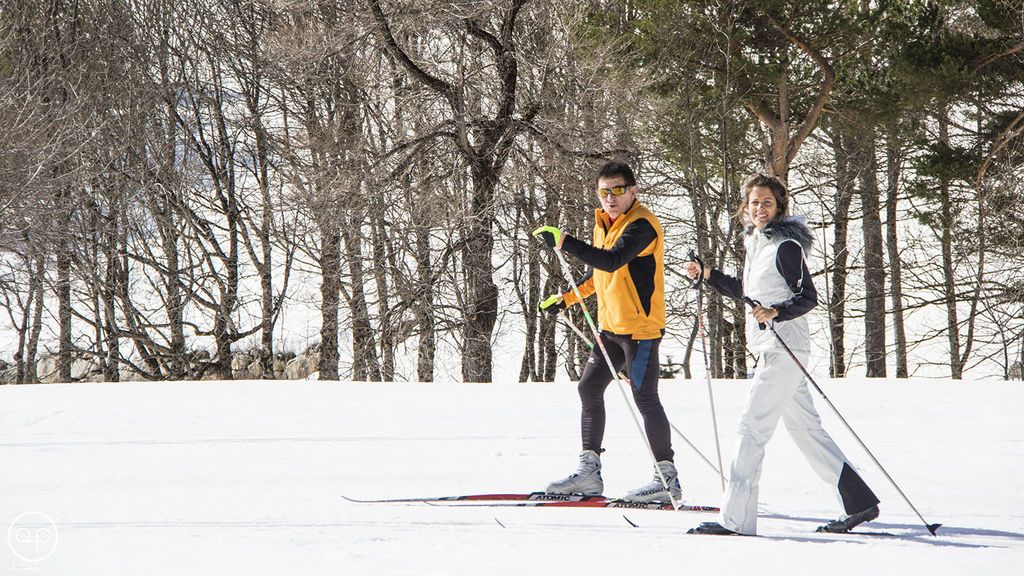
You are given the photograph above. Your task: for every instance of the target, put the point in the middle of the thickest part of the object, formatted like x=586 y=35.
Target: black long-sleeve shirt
x=637 y=236
x=790 y=263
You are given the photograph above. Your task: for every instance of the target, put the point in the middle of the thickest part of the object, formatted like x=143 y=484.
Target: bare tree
x=485 y=140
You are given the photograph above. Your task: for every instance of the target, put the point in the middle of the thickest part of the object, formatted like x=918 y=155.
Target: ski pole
x=582 y=336
x=564 y=267
x=771 y=326
x=699 y=285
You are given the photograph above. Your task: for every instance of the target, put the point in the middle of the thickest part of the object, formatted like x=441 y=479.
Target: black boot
x=712 y=528
x=848 y=523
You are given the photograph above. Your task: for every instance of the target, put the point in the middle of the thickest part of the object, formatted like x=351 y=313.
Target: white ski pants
x=778 y=390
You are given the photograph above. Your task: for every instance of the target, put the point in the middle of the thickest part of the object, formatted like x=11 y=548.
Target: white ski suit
x=776 y=275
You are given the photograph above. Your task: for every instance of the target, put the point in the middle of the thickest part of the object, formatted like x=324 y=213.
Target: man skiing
x=627 y=262
x=776 y=277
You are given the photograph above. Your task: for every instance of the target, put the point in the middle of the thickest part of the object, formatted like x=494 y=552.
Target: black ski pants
x=640 y=360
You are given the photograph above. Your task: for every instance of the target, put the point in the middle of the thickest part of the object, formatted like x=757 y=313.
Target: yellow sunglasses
x=614 y=191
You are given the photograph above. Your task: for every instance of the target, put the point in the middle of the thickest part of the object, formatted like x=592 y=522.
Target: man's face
x=612 y=204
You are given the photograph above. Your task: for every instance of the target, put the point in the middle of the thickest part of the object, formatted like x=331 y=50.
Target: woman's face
x=761 y=206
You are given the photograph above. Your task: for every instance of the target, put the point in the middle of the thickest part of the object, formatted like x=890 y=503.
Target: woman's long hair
x=770 y=182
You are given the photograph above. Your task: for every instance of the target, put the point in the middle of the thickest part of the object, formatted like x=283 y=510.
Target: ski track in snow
x=247 y=477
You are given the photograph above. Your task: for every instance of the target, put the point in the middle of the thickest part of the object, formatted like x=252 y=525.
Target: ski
x=534 y=499
x=526 y=496
x=862 y=533
x=593 y=503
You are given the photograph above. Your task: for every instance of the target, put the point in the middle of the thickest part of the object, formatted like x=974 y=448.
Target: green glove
x=550 y=235
x=553 y=304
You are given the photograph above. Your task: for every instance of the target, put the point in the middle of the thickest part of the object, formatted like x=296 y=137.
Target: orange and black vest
x=630 y=289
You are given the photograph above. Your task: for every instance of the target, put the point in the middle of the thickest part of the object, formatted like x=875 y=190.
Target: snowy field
x=246 y=478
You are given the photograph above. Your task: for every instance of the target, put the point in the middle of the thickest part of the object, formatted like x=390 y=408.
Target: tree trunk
x=95 y=246
x=330 y=289
x=981 y=238
x=380 y=273
x=574 y=358
x=894 y=163
x=688 y=352
x=265 y=264
x=528 y=367
x=736 y=334
x=874 y=261
x=481 y=294
x=109 y=236
x=223 y=324
x=728 y=321
x=949 y=280
x=364 y=352
x=177 y=365
x=217 y=148
x=31 y=373
x=840 y=250
x=64 y=347
x=424 y=306
x=251 y=23
x=533 y=318
x=714 y=323
x=26 y=321
x=548 y=362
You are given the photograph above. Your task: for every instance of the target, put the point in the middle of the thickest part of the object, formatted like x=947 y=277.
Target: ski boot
x=586 y=480
x=847 y=523
x=712 y=528
x=654 y=491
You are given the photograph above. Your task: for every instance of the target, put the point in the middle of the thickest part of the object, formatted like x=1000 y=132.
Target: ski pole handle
x=692 y=257
x=753 y=304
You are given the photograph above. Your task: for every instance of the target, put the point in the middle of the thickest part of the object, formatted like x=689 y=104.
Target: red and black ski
x=606 y=503
x=530 y=496
x=537 y=499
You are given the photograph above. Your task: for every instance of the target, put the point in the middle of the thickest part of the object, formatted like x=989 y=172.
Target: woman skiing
x=775 y=277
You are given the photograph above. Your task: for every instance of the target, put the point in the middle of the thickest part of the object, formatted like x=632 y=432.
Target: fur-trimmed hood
x=789 y=228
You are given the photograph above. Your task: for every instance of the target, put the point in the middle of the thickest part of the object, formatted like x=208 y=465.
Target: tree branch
x=985 y=63
x=824 y=89
x=391 y=45
x=446 y=89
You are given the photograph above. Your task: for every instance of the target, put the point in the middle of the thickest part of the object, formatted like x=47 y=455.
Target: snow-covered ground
x=247 y=477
